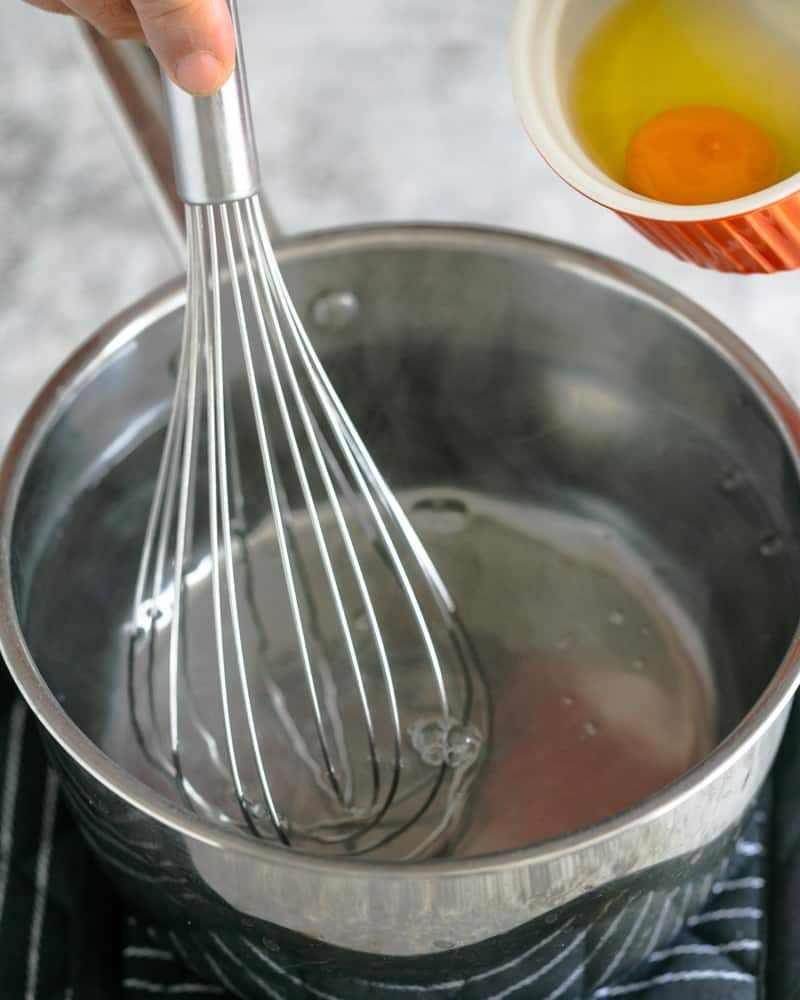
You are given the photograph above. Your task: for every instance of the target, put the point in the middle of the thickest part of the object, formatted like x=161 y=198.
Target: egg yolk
x=698 y=155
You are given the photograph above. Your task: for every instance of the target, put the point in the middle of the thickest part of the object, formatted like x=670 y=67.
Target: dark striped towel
x=64 y=936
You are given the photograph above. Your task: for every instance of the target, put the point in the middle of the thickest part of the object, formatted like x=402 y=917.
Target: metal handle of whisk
x=213 y=145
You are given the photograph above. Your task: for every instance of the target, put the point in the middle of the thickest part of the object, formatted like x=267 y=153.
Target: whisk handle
x=213 y=145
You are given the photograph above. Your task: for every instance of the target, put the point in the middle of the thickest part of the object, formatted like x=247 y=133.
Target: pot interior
x=611 y=502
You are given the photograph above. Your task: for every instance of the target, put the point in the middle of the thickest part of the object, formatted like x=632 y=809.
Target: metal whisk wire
x=257 y=288
x=230 y=253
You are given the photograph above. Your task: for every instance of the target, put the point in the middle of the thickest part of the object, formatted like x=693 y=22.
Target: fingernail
x=201 y=73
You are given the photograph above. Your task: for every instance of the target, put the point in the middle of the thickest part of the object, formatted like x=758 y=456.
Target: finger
x=193 y=40
x=112 y=18
x=51 y=6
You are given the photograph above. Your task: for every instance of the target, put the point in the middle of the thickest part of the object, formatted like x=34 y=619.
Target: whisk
x=297 y=667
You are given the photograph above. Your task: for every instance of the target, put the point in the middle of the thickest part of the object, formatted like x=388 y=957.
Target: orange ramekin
x=754 y=235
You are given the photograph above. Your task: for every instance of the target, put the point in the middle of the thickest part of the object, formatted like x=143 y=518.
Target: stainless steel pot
x=506 y=367
x=518 y=368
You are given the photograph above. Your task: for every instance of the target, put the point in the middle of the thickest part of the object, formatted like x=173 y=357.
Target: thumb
x=192 y=39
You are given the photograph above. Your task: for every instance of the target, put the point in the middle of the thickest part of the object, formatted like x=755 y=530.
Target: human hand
x=192 y=39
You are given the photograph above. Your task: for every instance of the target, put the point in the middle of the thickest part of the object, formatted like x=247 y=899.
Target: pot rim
x=119 y=331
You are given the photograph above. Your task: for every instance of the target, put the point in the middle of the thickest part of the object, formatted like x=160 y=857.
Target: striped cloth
x=64 y=935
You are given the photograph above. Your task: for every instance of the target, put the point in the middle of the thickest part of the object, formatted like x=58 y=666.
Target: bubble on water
x=429 y=739
x=335 y=310
x=563 y=642
x=361 y=622
x=616 y=618
x=639 y=664
x=732 y=481
x=463 y=745
x=771 y=546
x=590 y=729
x=568 y=700
x=445 y=741
x=645 y=630
x=256 y=809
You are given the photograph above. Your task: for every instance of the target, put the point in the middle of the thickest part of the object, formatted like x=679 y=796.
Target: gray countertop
x=365 y=112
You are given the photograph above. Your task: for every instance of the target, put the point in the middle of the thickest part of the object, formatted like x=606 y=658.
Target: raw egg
x=691 y=102
x=699 y=155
